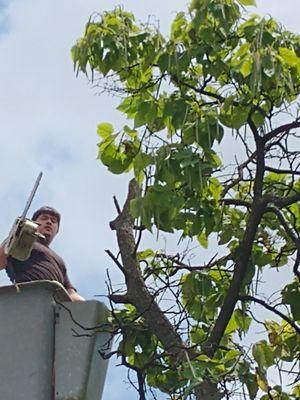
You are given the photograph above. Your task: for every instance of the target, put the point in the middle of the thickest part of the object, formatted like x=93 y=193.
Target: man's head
x=48 y=219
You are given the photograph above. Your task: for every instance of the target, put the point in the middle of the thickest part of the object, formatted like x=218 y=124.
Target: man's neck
x=45 y=241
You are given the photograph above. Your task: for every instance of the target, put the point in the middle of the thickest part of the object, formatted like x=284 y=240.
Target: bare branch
x=179 y=265
x=281 y=129
x=117 y=205
x=273 y=309
x=116 y=261
x=240 y=169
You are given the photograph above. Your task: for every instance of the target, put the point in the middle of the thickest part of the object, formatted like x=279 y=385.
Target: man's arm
x=3 y=257
x=69 y=287
x=74 y=295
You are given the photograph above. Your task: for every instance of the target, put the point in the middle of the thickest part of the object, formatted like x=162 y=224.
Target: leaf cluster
x=221 y=79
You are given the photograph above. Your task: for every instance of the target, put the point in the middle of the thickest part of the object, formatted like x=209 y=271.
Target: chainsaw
x=23 y=233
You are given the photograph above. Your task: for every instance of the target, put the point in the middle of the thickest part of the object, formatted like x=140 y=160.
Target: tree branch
x=240 y=169
x=281 y=202
x=179 y=265
x=273 y=309
x=236 y=202
x=120 y=298
x=243 y=255
x=285 y=225
x=116 y=261
x=292 y=235
x=282 y=171
x=137 y=291
x=281 y=129
x=117 y=205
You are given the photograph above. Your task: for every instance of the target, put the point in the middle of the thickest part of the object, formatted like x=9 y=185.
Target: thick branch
x=296 y=265
x=243 y=256
x=137 y=291
x=120 y=298
x=231 y=298
x=144 y=302
x=281 y=202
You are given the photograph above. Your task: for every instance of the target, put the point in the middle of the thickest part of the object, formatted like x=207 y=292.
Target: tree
x=223 y=79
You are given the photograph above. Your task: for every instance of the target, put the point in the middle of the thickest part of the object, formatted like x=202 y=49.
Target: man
x=43 y=263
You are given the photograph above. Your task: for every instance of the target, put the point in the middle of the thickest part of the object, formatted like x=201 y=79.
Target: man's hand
x=74 y=295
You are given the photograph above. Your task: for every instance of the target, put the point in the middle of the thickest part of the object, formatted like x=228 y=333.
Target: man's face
x=48 y=226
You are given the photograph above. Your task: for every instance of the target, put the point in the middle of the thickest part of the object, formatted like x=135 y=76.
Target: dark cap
x=46 y=210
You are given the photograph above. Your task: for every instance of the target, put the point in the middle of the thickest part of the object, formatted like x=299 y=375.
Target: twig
x=182 y=266
x=93 y=328
x=117 y=205
x=117 y=262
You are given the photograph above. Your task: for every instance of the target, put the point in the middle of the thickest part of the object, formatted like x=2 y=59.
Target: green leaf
x=296 y=391
x=202 y=239
x=243 y=321
x=231 y=356
x=235 y=117
x=252 y=386
x=218 y=68
x=142 y=255
x=258 y=118
x=226 y=235
x=104 y=130
x=197 y=335
x=247 y=378
x=246 y=68
x=231 y=326
x=291 y=296
x=263 y=354
x=262 y=380
x=289 y=57
x=248 y=2
x=163 y=62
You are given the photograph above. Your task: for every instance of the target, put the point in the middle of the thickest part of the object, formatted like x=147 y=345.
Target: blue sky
x=48 y=122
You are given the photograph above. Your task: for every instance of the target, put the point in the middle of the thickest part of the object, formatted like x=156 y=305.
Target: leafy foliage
x=220 y=80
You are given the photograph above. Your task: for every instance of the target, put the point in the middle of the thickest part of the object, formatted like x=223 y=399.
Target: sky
x=48 y=120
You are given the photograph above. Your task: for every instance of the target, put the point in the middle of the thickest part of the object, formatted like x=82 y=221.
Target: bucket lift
x=51 y=348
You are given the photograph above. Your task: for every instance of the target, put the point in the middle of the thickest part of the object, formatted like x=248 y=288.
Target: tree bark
x=137 y=291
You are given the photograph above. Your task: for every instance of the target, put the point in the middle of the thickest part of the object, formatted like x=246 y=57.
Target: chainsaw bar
x=32 y=194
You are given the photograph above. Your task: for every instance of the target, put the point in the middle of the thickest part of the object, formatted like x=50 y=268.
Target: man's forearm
x=3 y=257
x=74 y=295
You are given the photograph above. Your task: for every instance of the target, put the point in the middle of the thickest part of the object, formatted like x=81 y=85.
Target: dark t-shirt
x=43 y=264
